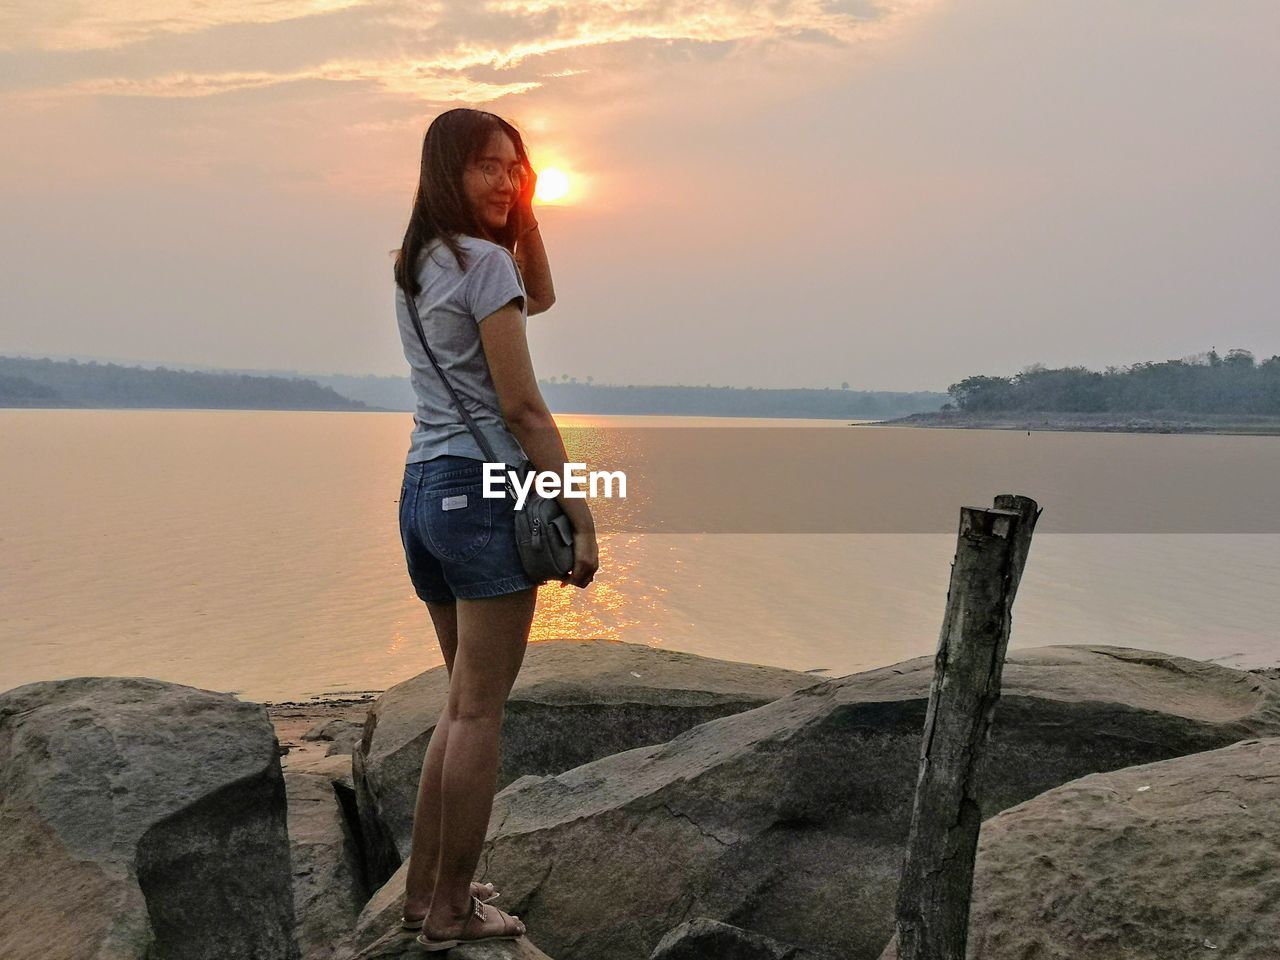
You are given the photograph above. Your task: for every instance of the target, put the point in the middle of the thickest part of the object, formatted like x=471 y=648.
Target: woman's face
x=490 y=182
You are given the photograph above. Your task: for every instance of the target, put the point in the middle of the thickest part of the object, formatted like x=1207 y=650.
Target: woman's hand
x=586 y=559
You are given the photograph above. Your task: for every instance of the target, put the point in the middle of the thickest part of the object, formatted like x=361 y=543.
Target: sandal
x=415 y=924
x=477 y=912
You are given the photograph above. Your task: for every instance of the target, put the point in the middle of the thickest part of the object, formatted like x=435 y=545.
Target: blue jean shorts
x=457 y=543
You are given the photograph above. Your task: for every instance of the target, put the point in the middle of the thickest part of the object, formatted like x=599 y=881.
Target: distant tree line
x=27 y=382
x=566 y=394
x=16 y=391
x=1206 y=383
x=712 y=401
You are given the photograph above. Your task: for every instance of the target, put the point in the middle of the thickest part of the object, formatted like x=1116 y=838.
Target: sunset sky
x=896 y=194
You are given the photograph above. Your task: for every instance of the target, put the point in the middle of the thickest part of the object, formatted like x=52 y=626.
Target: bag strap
x=480 y=438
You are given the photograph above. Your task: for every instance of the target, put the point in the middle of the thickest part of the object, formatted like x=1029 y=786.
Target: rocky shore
x=1261 y=425
x=323 y=727
x=654 y=806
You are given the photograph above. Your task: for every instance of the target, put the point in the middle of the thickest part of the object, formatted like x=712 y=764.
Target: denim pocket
x=458 y=521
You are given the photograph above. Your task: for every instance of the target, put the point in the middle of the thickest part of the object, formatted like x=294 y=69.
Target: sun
x=552 y=185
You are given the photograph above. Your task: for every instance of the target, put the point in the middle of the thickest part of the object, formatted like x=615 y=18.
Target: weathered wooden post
x=937 y=872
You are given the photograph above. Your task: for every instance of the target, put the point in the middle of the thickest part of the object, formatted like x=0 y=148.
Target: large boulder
x=328 y=877
x=789 y=820
x=140 y=819
x=1173 y=859
x=573 y=701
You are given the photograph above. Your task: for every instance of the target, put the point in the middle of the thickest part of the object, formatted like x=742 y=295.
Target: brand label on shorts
x=453 y=503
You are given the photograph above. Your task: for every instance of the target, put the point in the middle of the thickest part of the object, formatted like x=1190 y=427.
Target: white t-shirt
x=451 y=304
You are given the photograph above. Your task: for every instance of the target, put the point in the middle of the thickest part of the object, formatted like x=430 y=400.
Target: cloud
x=300 y=93
x=578 y=24
x=425 y=81
x=103 y=24
x=441 y=51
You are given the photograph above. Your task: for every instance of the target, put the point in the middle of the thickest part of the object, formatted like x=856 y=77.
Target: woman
x=474 y=261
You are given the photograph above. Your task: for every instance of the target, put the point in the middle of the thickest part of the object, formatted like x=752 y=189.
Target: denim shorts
x=457 y=543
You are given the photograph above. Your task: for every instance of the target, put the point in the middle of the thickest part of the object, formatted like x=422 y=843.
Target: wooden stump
x=937 y=873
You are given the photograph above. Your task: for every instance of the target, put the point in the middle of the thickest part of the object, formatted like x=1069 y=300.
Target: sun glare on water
x=552 y=185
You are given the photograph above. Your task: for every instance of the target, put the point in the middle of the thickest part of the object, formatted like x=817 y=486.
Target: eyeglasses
x=494 y=174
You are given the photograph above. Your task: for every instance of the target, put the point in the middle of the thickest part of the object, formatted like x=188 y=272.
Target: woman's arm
x=506 y=350
x=530 y=254
x=531 y=257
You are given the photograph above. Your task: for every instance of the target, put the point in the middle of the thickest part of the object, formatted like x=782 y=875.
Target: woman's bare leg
x=424 y=856
x=492 y=635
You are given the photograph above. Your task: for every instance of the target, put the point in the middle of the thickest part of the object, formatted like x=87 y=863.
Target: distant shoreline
x=1229 y=424
x=44 y=383
x=834 y=421
x=1225 y=425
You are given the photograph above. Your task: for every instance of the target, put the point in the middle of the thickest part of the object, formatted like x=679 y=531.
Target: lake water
x=258 y=552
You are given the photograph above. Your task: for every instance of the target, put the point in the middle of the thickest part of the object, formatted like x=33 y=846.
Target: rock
x=328 y=877
x=574 y=701
x=790 y=819
x=404 y=946
x=334 y=728
x=341 y=734
x=706 y=939
x=140 y=819
x=1173 y=859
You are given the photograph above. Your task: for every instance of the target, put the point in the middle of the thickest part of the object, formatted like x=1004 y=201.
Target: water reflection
x=260 y=552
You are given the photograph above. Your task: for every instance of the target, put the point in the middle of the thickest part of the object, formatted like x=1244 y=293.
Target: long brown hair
x=440 y=207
